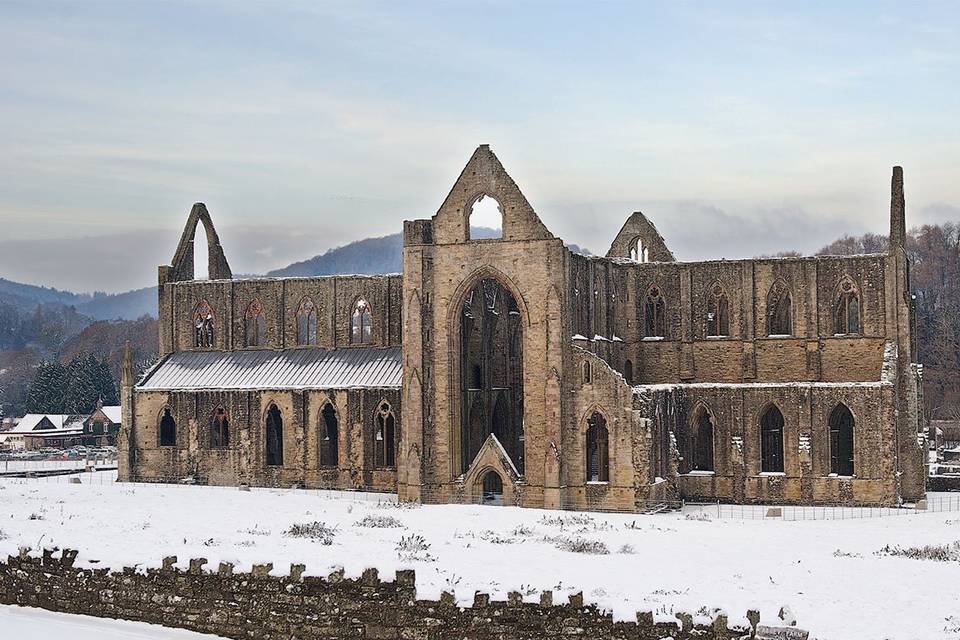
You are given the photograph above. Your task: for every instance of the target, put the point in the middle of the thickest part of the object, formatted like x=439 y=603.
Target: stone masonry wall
x=262 y=606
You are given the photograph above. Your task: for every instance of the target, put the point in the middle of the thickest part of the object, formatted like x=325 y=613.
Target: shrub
x=936 y=552
x=379 y=522
x=313 y=531
x=582 y=545
x=414 y=548
x=699 y=516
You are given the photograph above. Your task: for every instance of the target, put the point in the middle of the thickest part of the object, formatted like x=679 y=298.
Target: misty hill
x=27 y=297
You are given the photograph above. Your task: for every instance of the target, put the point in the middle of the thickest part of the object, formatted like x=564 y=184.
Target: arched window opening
x=255 y=326
x=491 y=372
x=771 y=441
x=384 y=437
x=492 y=485
x=638 y=252
x=329 y=437
x=587 y=373
x=718 y=312
x=361 y=323
x=779 y=311
x=486 y=219
x=203 y=337
x=654 y=315
x=201 y=253
x=168 y=430
x=219 y=429
x=841 y=441
x=598 y=449
x=847 y=310
x=306 y=323
x=701 y=445
x=274 y=437
x=628 y=372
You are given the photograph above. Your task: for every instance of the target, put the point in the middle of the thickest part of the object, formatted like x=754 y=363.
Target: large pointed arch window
x=306 y=323
x=329 y=437
x=219 y=429
x=701 y=441
x=384 y=437
x=779 y=310
x=361 y=323
x=274 y=436
x=203 y=336
x=654 y=316
x=598 y=449
x=718 y=312
x=255 y=325
x=771 y=441
x=168 y=429
x=847 y=310
x=841 y=441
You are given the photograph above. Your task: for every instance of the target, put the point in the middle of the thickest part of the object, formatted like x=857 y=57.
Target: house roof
x=347 y=368
x=113 y=413
x=31 y=421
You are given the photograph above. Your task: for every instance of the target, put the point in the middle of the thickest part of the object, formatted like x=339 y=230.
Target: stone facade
x=293 y=607
x=532 y=375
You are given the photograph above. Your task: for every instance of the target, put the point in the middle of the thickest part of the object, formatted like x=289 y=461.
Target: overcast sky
x=739 y=129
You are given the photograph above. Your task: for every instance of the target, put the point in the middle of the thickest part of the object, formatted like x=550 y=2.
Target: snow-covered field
x=36 y=624
x=828 y=572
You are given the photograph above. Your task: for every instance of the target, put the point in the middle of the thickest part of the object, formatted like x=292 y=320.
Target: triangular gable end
x=485 y=176
x=492 y=456
x=638 y=227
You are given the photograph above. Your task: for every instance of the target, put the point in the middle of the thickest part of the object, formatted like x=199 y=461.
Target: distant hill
x=129 y=305
x=27 y=297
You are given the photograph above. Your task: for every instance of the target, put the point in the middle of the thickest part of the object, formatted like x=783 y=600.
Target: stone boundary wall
x=263 y=606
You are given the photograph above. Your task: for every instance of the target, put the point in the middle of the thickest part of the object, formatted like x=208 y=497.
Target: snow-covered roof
x=112 y=412
x=348 y=368
x=31 y=421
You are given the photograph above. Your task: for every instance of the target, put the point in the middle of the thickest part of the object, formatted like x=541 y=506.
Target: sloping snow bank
x=827 y=572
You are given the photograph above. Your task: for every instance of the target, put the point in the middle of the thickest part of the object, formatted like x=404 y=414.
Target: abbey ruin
x=514 y=370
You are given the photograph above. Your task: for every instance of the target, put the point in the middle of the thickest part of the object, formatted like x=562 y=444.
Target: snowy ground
x=36 y=624
x=828 y=572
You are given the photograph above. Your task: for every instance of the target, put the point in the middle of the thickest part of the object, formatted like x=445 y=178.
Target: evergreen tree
x=106 y=387
x=47 y=391
x=82 y=392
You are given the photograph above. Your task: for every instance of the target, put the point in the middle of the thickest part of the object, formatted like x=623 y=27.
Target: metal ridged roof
x=358 y=367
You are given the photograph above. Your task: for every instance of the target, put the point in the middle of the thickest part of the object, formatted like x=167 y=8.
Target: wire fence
x=933 y=503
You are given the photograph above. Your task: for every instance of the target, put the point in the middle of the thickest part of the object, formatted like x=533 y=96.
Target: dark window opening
x=598 y=449
x=203 y=337
x=587 y=373
x=701 y=446
x=628 y=372
x=492 y=486
x=219 y=429
x=718 y=313
x=654 y=315
x=779 y=311
x=384 y=437
x=847 y=310
x=306 y=323
x=168 y=430
x=329 y=437
x=255 y=326
x=274 y=437
x=841 y=441
x=491 y=372
x=771 y=441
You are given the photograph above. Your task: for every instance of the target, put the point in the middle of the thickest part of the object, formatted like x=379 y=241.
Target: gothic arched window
x=361 y=327
x=306 y=323
x=203 y=337
x=329 y=437
x=718 y=312
x=847 y=310
x=841 y=441
x=654 y=315
x=274 y=437
x=255 y=326
x=168 y=429
x=384 y=437
x=219 y=429
x=598 y=449
x=771 y=440
x=779 y=311
x=701 y=442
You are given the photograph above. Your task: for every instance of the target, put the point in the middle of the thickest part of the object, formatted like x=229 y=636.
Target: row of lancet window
x=255 y=325
x=700 y=443
x=384 y=434
x=779 y=311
